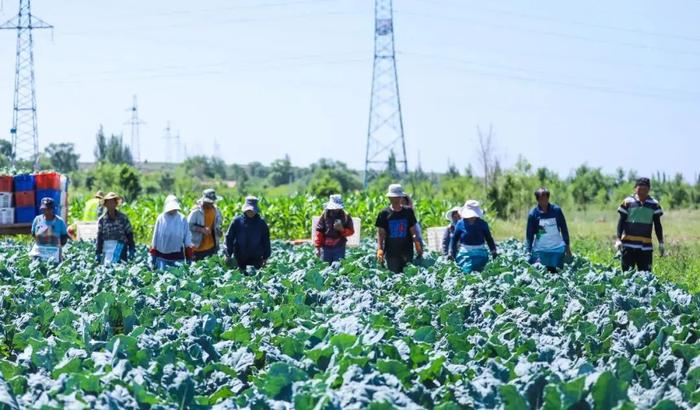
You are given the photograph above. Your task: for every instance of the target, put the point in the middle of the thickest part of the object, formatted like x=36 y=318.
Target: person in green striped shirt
x=639 y=213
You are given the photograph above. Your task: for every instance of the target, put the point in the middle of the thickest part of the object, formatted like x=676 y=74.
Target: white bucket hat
x=395 y=191
x=471 y=209
x=171 y=204
x=335 y=202
x=448 y=214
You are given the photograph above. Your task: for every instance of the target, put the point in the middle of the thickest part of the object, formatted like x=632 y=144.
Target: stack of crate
x=55 y=186
x=25 y=199
x=7 y=212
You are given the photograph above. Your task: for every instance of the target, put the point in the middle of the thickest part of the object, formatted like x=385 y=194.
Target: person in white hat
x=206 y=224
x=396 y=232
x=453 y=217
x=332 y=230
x=471 y=235
x=248 y=237
x=172 y=239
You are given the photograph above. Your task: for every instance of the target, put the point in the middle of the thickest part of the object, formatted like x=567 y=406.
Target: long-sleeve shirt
x=546 y=229
x=446 y=238
x=115 y=229
x=248 y=238
x=171 y=233
x=474 y=234
x=329 y=237
x=636 y=220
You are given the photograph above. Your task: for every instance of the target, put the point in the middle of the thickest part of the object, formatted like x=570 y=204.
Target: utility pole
x=24 y=132
x=135 y=123
x=385 y=134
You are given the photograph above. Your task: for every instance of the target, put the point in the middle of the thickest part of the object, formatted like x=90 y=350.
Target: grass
x=593 y=235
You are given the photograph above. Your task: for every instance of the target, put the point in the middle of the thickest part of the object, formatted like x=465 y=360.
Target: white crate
x=87 y=231
x=434 y=237
x=7 y=216
x=353 y=240
x=5 y=199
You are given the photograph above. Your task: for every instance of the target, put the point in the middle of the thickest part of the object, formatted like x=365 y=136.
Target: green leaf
x=425 y=334
x=608 y=391
x=665 y=405
x=343 y=341
x=237 y=334
x=279 y=378
x=395 y=367
x=67 y=366
x=512 y=399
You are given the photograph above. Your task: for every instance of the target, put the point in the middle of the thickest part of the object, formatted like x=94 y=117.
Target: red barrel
x=5 y=183
x=48 y=180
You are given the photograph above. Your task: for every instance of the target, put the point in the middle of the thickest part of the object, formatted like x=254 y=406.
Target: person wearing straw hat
x=50 y=233
x=115 y=236
x=248 y=237
x=471 y=235
x=453 y=217
x=547 y=235
x=206 y=224
x=93 y=208
x=332 y=230
x=396 y=232
x=172 y=239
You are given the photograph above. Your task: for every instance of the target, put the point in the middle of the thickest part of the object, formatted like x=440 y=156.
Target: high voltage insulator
x=385 y=137
x=24 y=131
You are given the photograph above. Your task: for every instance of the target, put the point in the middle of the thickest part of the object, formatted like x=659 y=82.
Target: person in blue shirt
x=248 y=238
x=471 y=236
x=50 y=233
x=453 y=216
x=547 y=236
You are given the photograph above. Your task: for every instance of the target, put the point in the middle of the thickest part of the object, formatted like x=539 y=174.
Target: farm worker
x=407 y=202
x=332 y=230
x=453 y=217
x=172 y=239
x=115 y=237
x=546 y=235
x=206 y=223
x=638 y=213
x=50 y=233
x=248 y=237
x=93 y=208
x=471 y=235
x=396 y=232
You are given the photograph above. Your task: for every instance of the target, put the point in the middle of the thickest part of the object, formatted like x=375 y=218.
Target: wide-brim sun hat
x=335 y=202
x=171 y=204
x=209 y=197
x=448 y=214
x=99 y=194
x=112 y=195
x=395 y=191
x=251 y=204
x=471 y=209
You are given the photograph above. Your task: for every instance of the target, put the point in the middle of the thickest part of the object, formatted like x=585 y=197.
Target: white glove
x=662 y=249
x=618 y=245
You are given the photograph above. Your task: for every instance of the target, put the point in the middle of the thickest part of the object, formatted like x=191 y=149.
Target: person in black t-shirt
x=396 y=232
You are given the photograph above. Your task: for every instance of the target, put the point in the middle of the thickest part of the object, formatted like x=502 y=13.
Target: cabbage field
x=300 y=334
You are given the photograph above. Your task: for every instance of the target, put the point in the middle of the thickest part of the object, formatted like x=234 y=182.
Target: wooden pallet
x=16 y=229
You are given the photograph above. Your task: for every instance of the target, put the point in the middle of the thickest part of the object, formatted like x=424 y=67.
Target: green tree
x=281 y=171
x=112 y=149
x=62 y=157
x=129 y=182
x=323 y=184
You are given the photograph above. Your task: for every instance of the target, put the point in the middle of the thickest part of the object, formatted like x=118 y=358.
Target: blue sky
x=607 y=83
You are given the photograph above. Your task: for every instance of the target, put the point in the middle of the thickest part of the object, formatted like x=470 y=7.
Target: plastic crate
x=48 y=180
x=25 y=215
x=5 y=199
x=7 y=216
x=25 y=198
x=6 y=183
x=47 y=193
x=24 y=182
